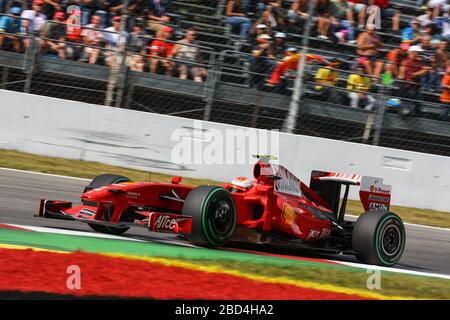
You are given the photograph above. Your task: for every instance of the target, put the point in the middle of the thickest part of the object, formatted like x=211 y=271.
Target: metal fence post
x=30 y=62
x=116 y=67
x=291 y=119
x=379 y=115
x=210 y=87
x=121 y=80
x=5 y=73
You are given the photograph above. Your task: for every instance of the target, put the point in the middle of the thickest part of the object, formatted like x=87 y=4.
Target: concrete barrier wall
x=76 y=130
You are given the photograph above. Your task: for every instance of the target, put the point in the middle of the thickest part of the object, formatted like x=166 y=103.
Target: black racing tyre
x=379 y=238
x=101 y=181
x=104 y=180
x=111 y=230
x=213 y=214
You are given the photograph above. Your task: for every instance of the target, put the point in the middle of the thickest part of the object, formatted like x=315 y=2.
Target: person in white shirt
x=34 y=19
x=92 y=37
x=111 y=37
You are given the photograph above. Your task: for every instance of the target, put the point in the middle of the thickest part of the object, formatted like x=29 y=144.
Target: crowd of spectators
x=417 y=64
x=89 y=31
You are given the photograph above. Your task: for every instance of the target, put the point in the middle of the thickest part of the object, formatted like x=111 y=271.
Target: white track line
x=44 y=174
x=73 y=232
x=412 y=224
x=98 y=235
x=388 y=269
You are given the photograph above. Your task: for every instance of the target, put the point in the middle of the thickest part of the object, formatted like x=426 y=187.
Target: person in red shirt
x=73 y=34
x=161 y=49
x=411 y=70
x=396 y=57
x=73 y=23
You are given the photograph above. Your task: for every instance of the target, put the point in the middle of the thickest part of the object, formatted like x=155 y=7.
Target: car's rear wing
x=374 y=195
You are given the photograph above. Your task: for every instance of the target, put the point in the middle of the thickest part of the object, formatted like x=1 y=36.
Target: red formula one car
x=273 y=207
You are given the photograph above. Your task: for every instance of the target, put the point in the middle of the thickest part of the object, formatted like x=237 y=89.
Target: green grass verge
x=87 y=169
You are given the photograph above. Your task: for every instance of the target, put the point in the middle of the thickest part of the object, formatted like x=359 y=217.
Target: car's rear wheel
x=101 y=181
x=213 y=214
x=379 y=238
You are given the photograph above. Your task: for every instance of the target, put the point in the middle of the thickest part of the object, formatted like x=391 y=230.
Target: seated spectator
x=161 y=49
x=73 y=35
x=50 y=7
x=432 y=31
x=396 y=57
x=445 y=95
x=441 y=56
x=358 y=7
x=157 y=15
x=136 y=49
x=189 y=57
x=135 y=9
x=289 y=64
x=426 y=18
x=279 y=46
x=322 y=11
x=263 y=61
x=387 y=77
x=262 y=4
x=411 y=34
x=33 y=20
x=53 y=36
x=368 y=45
x=298 y=13
x=273 y=16
x=444 y=24
x=411 y=71
x=92 y=36
x=257 y=30
x=88 y=9
x=112 y=37
x=385 y=13
x=341 y=26
x=358 y=85
x=12 y=25
x=235 y=16
x=114 y=7
x=432 y=80
x=327 y=77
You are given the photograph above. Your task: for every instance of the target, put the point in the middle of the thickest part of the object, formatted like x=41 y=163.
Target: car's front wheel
x=101 y=181
x=213 y=214
x=379 y=238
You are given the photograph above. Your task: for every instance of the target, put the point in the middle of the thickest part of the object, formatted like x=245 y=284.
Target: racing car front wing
x=155 y=221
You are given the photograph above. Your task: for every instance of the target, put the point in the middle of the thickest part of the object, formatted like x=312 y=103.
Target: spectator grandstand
x=376 y=70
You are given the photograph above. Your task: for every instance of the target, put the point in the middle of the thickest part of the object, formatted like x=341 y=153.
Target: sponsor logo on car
x=314 y=234
x=287 y=182
x=379 y=190
x=378 y=206
x=165 y=223
x=87 y=212
x=378 y=198
x=288 y=214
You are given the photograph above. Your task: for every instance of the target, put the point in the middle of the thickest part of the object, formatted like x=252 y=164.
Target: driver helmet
x=241 y=184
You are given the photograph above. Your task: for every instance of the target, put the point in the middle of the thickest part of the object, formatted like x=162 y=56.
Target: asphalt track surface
x=427 y=249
